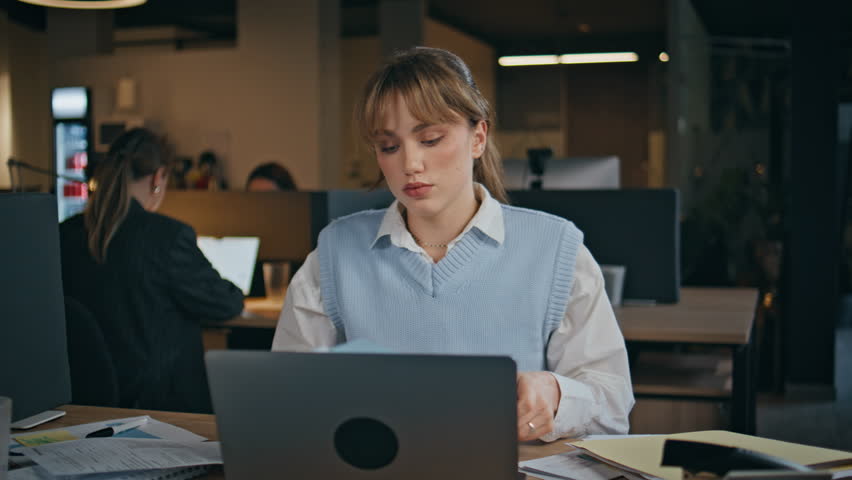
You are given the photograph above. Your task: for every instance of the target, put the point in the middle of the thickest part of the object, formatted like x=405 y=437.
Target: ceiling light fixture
x=568 y=59
x=526 y=60
x=664 y=57
x=613 y=57
x=86 y=4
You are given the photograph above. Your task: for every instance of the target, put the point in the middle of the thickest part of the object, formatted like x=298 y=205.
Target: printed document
x=102 y=455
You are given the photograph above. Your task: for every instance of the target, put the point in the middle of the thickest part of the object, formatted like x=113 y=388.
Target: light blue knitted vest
x=481 y=298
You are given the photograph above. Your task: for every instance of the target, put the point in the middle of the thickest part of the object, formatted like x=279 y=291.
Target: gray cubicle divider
x=329 y=205
x=280 y=219
x=33 y=350
x=636 y=228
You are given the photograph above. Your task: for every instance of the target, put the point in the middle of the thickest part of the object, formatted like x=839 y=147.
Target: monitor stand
x=37 y=419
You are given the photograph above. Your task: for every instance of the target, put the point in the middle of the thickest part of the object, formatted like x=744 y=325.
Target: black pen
x=110 y=431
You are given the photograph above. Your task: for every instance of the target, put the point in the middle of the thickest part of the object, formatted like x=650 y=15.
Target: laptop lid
x=364 y=416
x=232 y=257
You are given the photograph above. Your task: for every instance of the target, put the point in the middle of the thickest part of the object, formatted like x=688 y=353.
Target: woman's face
x=429 y=168
x=262 y=184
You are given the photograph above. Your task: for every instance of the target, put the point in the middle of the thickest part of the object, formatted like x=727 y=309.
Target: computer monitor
x=332 y=204
x=569 y=173
x=33 y=350
x=637 y=228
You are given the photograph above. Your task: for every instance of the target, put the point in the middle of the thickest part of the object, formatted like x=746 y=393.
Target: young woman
x=449 y=268
x=144 y=279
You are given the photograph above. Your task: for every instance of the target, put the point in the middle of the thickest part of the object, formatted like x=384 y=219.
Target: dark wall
x=813 y=218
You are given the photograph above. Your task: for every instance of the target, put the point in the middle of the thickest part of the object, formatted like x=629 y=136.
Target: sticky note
x=42 y=438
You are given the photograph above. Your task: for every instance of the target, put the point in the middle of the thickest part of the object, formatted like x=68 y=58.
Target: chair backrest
x=93 y=377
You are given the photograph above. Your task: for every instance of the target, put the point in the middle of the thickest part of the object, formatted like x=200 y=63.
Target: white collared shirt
x=586 y=353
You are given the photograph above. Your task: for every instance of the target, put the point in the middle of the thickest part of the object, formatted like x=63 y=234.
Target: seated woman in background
x=270 y=177
x=144 y=279
x=448 y=268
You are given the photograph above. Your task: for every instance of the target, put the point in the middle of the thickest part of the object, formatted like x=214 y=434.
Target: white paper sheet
x=101 y=455
x=154 y=429
x=232 y=257
x=610 y=437
x=572 y=466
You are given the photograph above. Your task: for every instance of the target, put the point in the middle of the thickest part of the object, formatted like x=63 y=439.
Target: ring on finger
x=532 y=427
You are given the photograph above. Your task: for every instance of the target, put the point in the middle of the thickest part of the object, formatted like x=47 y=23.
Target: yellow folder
x=643 y=454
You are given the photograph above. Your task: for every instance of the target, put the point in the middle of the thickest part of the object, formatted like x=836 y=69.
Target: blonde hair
x=135 y=154
x=437 y=87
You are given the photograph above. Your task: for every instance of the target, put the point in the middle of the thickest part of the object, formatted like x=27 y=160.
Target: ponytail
x=135 y=154
x=488 y=170
x=108 y=206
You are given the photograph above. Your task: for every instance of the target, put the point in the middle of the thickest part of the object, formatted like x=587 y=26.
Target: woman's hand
x=538 y=400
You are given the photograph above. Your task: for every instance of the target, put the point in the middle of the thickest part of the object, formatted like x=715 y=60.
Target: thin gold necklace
x=424 y=244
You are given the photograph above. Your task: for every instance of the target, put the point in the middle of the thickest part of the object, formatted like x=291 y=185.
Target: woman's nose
x=412 y=161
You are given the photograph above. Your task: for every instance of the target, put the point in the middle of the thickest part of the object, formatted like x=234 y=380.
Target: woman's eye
x=432 y=142
x=389 y=149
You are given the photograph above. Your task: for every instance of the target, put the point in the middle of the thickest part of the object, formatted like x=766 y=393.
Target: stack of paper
x=572 y=465
x=153 y=451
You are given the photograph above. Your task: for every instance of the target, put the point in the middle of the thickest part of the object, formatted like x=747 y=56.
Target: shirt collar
x=488 y=219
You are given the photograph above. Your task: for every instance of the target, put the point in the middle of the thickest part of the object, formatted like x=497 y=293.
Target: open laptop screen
x=232 y=257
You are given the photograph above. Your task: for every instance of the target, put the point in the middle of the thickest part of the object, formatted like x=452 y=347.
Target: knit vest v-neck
x=483 y=297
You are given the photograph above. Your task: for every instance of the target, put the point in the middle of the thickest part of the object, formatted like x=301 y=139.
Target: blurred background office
x=744 y=107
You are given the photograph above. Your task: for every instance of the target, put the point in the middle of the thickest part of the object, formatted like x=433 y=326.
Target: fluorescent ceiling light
x=614 y=57
x=86 y=4
x=664 y=57
x=571 y=58
x=524 y=60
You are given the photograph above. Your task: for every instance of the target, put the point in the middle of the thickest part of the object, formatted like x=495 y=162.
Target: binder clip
x=701 y=460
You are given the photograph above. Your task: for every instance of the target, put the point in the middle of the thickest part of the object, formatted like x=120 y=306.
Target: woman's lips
x=417 y=189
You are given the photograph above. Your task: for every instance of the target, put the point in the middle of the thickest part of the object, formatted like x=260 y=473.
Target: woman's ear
x=159 y=178
x=480 y=138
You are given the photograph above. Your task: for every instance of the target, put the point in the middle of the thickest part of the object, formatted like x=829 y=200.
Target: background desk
x=257 y=322
x=205 y=425
x=712 y=317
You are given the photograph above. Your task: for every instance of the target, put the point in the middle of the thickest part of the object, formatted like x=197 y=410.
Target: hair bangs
x=428 y=94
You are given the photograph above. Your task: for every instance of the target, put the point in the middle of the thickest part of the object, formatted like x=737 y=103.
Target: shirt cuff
x=576 y=409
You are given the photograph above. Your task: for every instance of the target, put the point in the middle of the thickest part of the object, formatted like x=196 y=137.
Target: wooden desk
x=257 y=313
x=205 y=425
x=720 y=317
x=716 y=316
x=704 y=316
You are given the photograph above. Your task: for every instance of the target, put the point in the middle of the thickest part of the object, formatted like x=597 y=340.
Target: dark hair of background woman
x=275 y=173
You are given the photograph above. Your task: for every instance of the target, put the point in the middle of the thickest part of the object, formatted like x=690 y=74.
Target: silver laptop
x=232 y=257
x=364 y=416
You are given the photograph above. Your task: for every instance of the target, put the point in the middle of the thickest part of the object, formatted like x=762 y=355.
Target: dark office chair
x=93 y=378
